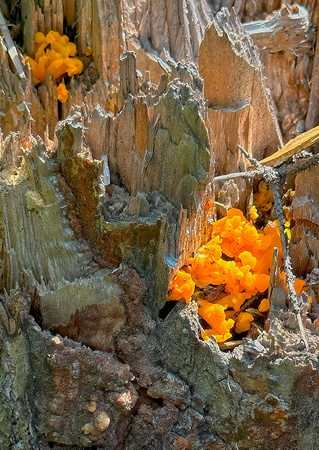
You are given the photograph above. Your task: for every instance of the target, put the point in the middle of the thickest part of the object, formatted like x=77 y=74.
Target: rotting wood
x=287 y=58
x=312 y=117
x=222 y=57
x=106 y=246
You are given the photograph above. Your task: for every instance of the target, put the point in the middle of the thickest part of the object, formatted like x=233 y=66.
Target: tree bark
x=105 y=197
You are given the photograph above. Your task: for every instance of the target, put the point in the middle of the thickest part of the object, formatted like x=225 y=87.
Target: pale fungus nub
x=88 y=428
x=92 y=406
x=56 y=341
x=93 y=398
x=102 y=421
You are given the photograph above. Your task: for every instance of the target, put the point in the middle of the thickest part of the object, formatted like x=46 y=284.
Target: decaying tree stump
x=105 y=196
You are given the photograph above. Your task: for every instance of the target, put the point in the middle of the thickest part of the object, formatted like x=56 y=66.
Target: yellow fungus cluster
x=239 y=257
x=62 y=93
x=263 y=198
x=54 y=54
x=182 y=286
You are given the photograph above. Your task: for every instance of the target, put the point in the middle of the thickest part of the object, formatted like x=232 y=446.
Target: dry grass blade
x=294 y=146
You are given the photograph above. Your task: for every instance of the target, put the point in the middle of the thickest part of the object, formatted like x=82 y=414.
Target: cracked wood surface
x=103 y=197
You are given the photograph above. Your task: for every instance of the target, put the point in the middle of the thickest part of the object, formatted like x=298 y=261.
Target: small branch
x=230 y=176
x=293 y=147
x=290 y=279
x=252 y=160
x=273 y=271
x=298 y=165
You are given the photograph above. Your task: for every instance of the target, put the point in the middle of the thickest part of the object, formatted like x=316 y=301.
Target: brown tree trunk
x=105 y=196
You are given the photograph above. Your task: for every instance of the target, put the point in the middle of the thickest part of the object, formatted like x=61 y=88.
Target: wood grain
x=294 y=146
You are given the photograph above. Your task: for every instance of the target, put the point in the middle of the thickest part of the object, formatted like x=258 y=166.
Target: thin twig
x=273 y=271
x=230 y=176
x=250 y=158
x=298 y=165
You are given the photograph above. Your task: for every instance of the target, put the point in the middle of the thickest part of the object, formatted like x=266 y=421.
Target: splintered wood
x=182 y=108
x=293 y=147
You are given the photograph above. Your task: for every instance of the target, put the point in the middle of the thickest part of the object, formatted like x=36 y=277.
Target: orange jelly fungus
x=243 y=321
x=182 y=286
x=263 y=198
x=239 y=257
x=62 y=93
x=215 y=316
x=88 y=51
x=264 y=305
x=54 y=54
x=253 y=214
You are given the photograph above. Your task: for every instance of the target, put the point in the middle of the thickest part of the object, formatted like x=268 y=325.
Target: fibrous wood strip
x=42 y=248
x=101 y=134
x=170 y=28
x=233 y=77
x=129 y=81
x=83 y=18
x=20 y=107
x=70 y=11
x=30 y=18
x=312 y=118
x=150 y=65
x=230 y=128
x=107 y=39
x=291 y=93
x=48 y=97
x=286 y=41
x=13 y=54
x=129 y=161
x=249 y=10
x=304 y=245
x=49 y=16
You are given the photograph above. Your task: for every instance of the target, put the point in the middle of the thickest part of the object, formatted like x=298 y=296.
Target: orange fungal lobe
x=238 y=258
x=54 y=54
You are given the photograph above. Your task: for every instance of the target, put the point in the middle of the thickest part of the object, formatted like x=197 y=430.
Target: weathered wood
x=304 y=245
x=287 y=60
x=293 y=147
x=96 y=217
x=312 y=117
x=227 y=51
x=248 y=10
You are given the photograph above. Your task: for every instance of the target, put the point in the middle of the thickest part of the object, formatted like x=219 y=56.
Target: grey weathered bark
x=103 y=198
